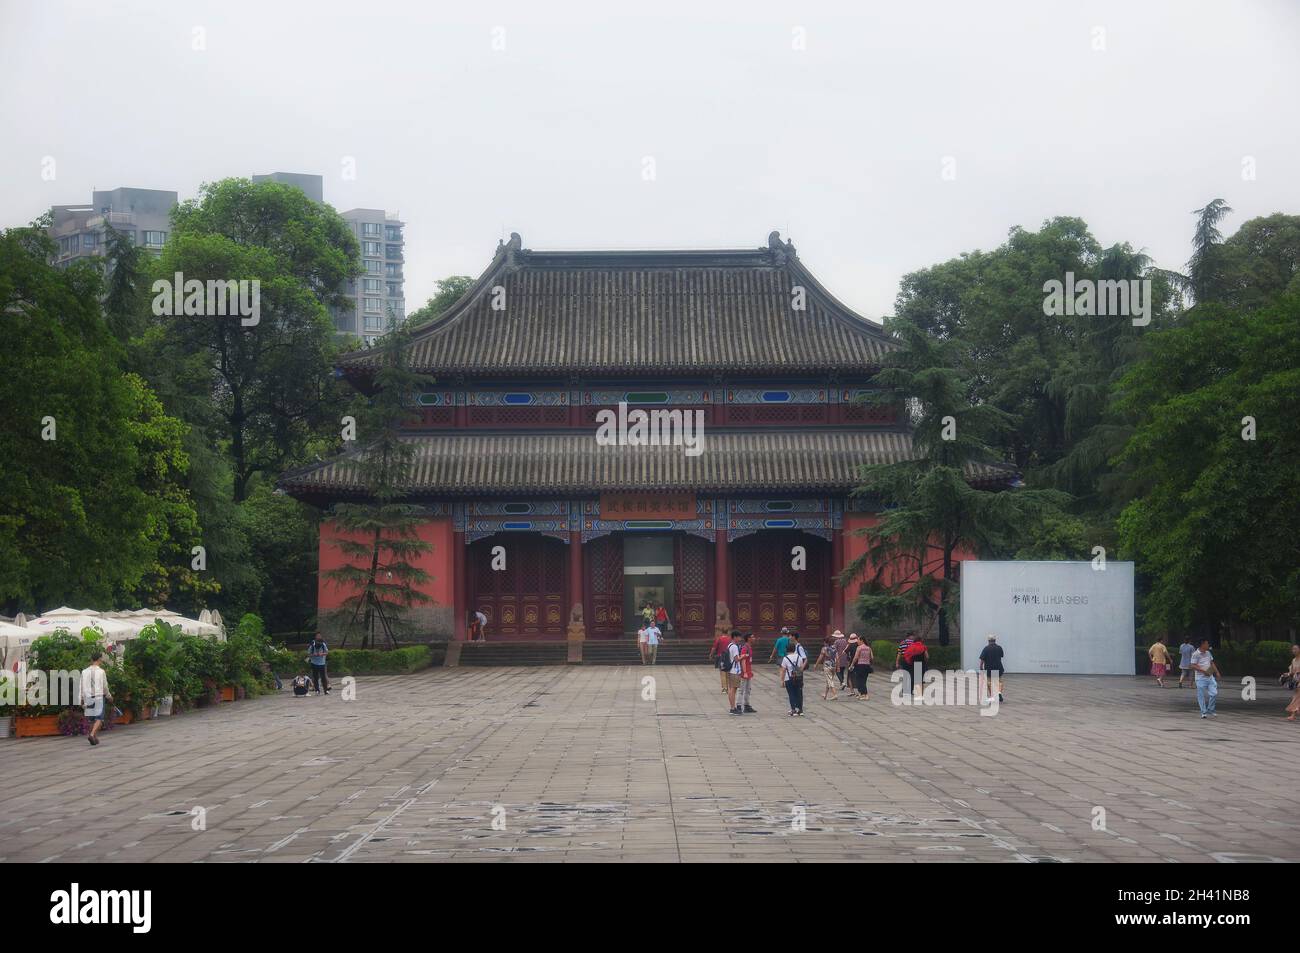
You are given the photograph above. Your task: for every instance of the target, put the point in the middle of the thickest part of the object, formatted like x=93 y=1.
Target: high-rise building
x=378 y=294
x=313 y=186
x=143 y=215
x=379 y=291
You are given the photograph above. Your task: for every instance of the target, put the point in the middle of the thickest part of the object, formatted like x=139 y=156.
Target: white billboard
x=1060 y=617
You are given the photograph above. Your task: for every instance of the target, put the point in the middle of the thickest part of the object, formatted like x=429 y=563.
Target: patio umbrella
x=14 y=642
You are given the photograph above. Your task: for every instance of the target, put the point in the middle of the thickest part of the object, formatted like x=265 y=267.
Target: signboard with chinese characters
x=643 y=506
x=1071 y=618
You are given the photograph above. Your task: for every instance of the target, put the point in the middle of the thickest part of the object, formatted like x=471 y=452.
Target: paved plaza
x=576 y=765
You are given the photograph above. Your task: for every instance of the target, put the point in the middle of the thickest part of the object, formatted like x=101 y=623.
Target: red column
x=721 y=569
x=460 y=580
x=576 y=577
x=837 y=591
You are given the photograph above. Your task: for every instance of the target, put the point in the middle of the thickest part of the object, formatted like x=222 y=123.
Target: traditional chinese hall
x=750 y=532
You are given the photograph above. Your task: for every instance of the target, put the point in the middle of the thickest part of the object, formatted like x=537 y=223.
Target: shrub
x=159 y=658
x=63 y=651
x=377 y=662
x=883 y=652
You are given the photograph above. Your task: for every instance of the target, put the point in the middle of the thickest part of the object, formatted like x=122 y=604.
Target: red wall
x=437 y=563
x=855 y=546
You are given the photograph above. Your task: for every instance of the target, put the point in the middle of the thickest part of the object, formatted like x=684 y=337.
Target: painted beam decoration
x=624 y=512
x=819 y=516
x=478 y=520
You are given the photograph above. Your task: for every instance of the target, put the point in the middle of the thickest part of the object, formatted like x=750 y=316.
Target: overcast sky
x=829 y=122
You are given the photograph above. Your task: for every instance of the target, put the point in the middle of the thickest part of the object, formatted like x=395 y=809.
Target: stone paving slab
x=574 y=763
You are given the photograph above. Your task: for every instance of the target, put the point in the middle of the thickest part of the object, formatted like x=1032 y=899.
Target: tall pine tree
x=379 y=538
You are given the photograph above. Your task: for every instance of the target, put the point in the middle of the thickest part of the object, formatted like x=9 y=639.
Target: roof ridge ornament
x=781 y=251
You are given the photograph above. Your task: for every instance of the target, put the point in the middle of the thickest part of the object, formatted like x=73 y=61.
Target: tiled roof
x=645 y=312
x=455 y=464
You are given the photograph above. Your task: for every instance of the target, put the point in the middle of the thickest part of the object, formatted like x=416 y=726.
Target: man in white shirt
x=733 y=673
x=652 y=637
x=1207 y=675
x=95 y=698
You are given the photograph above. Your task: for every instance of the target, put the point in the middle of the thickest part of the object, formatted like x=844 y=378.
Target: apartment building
x=143 y=215
x=379 y=292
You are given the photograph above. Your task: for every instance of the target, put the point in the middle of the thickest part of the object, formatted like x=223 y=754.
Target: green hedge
x=357 y=661
x=945 y=657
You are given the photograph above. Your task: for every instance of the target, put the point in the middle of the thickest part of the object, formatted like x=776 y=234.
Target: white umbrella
x=113 y=629
x=14 y=642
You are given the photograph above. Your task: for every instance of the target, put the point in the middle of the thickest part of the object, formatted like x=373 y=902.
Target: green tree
x=270 y=383
x=450 y=290
x=378 y=538
x=931 y=510
x=85 y=512
x=1216 y=530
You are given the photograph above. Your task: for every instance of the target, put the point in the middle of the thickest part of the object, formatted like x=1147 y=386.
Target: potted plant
x=36 y=721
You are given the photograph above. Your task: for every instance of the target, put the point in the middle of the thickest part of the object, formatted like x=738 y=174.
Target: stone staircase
x=513 y=653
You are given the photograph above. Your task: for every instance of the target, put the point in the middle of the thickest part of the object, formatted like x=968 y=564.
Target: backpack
x=796 y=673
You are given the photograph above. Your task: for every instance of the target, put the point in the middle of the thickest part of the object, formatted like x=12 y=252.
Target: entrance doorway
x=648 y=579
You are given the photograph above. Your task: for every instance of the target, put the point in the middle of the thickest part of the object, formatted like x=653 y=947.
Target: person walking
x=862 y=659
x=746 y=673
x=718 y=656
x=1185 y=651
x=841 y=656
x=792 y=667
x=652 y=637
x=1207 y=675
x=990 y=662
x=850 y=650
x=779 y=648
x=1292 y=678
x=661 y=618
x=95 y=699
x=641 y=643
x=826 y=662
x=1160 y=663
x=733 y=672
x=912 y=657
x=317 y=654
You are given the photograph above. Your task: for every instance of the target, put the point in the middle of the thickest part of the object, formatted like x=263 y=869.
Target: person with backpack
x=719 y=657
x=301 y=685
x=912 y=657
x=792 y=666
x=317 y=652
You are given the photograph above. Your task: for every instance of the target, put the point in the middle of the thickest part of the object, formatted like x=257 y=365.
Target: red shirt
x=720 y=645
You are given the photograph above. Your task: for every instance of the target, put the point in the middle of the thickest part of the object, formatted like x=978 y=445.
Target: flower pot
x=227 y=693
x=165 y=705
x=41 y=726
x=124 y=719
